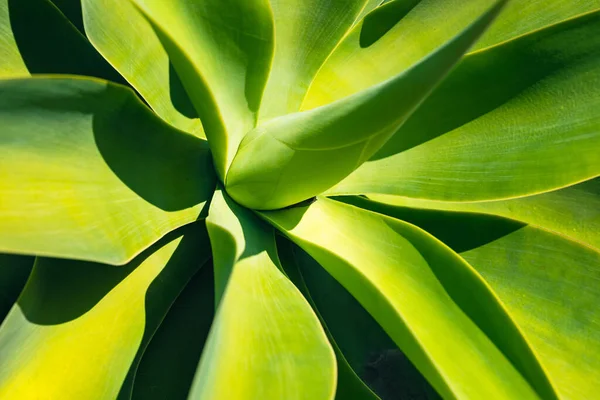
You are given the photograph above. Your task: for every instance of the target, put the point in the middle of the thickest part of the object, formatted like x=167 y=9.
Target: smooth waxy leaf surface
x=516 y=119
x=79 y=328
x=401 y=32
x=415 y=288
x=306 y=31
x=573 y=212
x=88 y=172
x=362 y=347
x=36 y=38
x=150 y=70
x=304 y=153
x=548 y=283
x=222 y=52
x=265 y=342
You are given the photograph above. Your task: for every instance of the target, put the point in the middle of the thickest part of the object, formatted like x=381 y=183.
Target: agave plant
x=299 y=199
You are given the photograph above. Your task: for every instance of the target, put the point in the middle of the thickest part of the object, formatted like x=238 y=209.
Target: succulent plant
x=299 y=199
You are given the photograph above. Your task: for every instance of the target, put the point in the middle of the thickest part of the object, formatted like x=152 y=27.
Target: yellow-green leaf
x=417 y=288
x=266 y=342
x=88 y=172
x=79 y=329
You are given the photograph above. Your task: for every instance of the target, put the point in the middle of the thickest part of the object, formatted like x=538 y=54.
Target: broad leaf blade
x=222 y=51
x=337 y=137
x=130 y=44
x=516 y=119
x=306 y=32
x=88 y=172
x=86 y=345
x=547 y=282
x=413 y=286
x=399 y=33
x=265 y=337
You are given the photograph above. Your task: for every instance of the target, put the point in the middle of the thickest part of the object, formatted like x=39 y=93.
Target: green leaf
x=548 y=283
x=150 y=71
x=36 y=38
x=362 y=348
x=416 y=288
x=573 y=212
x=88 y=172
x=550 y=287
x=168 y=365
x=79 y=329
x=14 y=271
x=516 y=119
x=306 y=32
x=524 y=16
x=222 y=51
x=265 y=342
x=337 y=137
x=401 y=32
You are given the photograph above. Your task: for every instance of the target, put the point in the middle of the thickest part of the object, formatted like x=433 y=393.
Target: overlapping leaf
x=265 y=341
x=36 y=38
x=137 y=53
x=88 y=172
x=222 y=51
x=416 y=289
x=573 y=212
x=306 y=31
x=79 y=329
x=304 y=153
x=516 y=119
x=548 y=283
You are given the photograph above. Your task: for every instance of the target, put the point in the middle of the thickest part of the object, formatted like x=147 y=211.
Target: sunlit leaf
x=416 y=288
x=339 y=136
x=150 y=70
x=222 y=52
x=88 y=172
x=516 y=119
x=265 y=341
x=79 y=328
x=573 y=212
x=548 y=283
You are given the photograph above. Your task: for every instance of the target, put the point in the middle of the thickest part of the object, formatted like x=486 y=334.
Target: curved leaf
x=79 y=329
x=168 y=365
x=549 y=285
x=516 y=119
x=14 y=271
x=265 y=342
x=524 y=16
x=222 y=51
x=36 y=38
x=415 y=288
x=573 y=212
x=337 y=137
x=349 y=384
x=306 y=31
x=362 y=347
x=88 y=172
x=398 y=34
x=150 y=71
